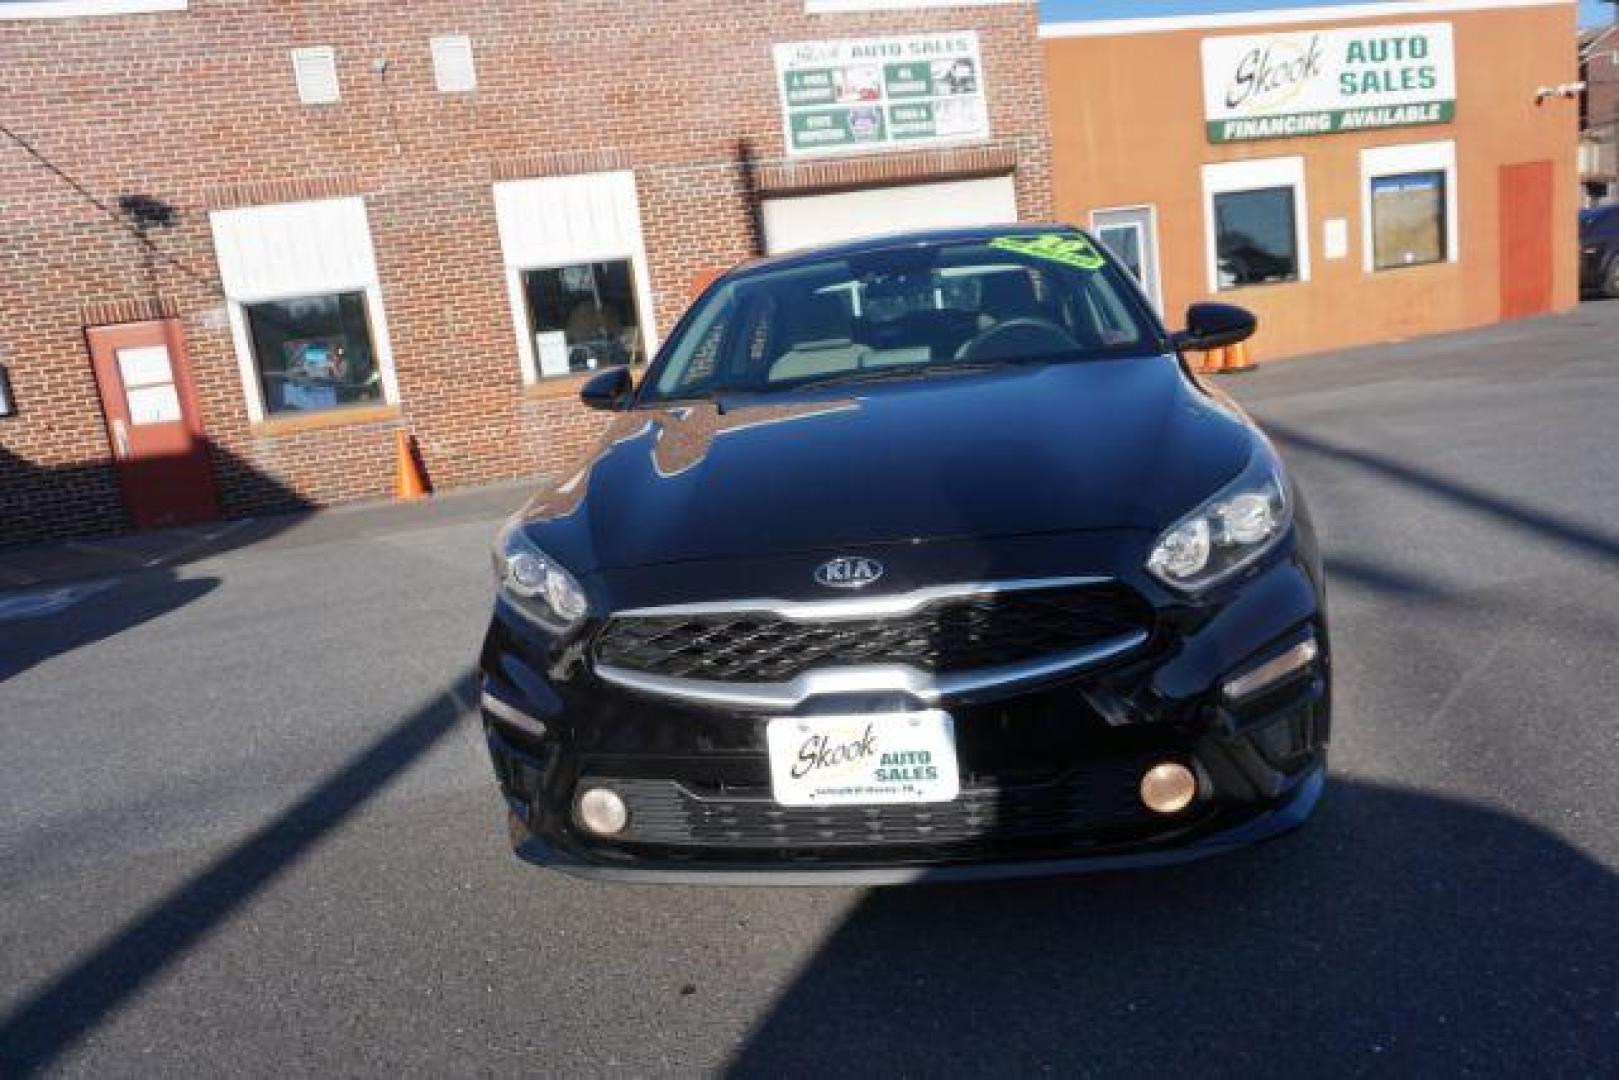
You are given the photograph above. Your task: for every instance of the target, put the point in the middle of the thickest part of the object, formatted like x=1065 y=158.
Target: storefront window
x=314 y=353
x=1124 y=241
x=584 y=317
x=1408 y=219
x=1256 y=237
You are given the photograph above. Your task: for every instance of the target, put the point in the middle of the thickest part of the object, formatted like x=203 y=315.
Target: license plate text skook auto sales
x=863 y=759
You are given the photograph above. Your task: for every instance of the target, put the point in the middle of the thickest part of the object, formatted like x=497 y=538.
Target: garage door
x=811 y=220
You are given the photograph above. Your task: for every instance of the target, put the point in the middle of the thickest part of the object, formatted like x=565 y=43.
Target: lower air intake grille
x=1086 y=801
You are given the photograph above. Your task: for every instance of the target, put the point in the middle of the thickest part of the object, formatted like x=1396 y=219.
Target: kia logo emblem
x=848 y=573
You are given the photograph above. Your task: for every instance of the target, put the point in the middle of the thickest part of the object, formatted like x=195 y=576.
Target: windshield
x=907 y=312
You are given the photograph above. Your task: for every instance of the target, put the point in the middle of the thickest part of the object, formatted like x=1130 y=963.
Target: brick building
x=243 y=244
x=1353 y=173
x=1599 y=114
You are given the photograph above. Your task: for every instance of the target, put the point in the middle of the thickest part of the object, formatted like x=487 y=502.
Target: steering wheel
x=1017 y=338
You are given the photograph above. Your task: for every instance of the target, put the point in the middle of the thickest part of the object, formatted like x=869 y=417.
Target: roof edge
x=1230 y=20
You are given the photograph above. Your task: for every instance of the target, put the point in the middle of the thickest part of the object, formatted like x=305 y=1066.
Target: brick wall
x=199 y=110
x=1599 y=112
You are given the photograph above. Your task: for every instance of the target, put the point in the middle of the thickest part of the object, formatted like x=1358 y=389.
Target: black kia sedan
x=921 y=557
x=1599 y=251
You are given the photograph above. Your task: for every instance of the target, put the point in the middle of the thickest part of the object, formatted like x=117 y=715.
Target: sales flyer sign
x=881 y=93
x=1318 y=82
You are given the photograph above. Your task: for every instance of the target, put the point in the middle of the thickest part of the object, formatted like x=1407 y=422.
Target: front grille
x=959 y=634
x=1088 y=803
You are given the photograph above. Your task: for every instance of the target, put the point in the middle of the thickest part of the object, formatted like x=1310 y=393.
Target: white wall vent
x=315 y=70
x=452 y=64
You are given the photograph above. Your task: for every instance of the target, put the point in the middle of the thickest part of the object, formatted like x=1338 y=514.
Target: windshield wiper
x=899 y=371
x=719 y=397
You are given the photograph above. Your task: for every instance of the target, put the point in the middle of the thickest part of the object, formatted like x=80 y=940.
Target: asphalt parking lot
x=247 y=823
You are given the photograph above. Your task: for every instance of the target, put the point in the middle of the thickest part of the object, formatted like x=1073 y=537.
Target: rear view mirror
x=608 y=390
x=1214 y=326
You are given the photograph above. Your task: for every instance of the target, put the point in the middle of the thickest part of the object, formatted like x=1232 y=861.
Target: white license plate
x=863 y=760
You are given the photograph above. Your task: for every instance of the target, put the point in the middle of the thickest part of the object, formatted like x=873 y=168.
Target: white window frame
x=525 y=318
x=78 y=9
x=253 y=384
x=1228 y=177
x=1380 y=161
x=1154 y=290
x=632 y=249
x=364 y=281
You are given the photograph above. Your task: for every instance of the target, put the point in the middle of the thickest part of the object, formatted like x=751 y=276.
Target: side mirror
x=608 y=390
x=1214 y=326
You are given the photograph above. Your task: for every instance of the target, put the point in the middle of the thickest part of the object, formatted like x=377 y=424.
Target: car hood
x=1020 y=450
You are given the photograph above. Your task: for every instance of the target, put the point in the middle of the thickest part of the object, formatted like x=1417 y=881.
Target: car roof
x=894 y=241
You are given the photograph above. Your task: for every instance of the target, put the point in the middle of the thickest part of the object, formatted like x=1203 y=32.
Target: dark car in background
x=1599 y=250
x=918 y=557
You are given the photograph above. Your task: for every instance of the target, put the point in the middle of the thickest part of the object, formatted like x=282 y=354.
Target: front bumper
x=1050 y=773
x=1287 y=815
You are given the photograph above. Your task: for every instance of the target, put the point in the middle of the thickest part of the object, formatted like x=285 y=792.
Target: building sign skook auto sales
x=881 y=93
x=1276 y=86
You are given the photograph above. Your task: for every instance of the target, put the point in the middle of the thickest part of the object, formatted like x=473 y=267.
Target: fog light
x=603 y=812
x=1168 y=788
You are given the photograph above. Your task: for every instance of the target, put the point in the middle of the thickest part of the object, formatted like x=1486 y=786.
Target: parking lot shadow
x=1542 y=524
x=48 y=1022
x=37 y=624
x=67 y=595
x=1399 y=933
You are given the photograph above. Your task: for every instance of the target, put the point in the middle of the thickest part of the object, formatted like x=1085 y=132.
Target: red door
x=152 y=423
x=1526 y=239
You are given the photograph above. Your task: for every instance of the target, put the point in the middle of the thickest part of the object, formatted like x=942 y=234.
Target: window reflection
x=1408 y=219
x=1256 y=237
x=314 y=353
x=584 y=317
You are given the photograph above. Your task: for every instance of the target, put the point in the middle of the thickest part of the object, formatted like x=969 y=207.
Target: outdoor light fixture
x=8 y=404
x=1563 y=90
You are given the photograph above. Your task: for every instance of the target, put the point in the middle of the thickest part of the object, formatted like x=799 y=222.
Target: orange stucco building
x=1356 y=174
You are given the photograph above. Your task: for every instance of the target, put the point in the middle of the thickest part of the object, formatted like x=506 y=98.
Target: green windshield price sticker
x=1068 y=250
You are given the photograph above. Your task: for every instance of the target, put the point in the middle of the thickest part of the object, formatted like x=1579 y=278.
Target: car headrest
x=819 y=317
x=1009 y=296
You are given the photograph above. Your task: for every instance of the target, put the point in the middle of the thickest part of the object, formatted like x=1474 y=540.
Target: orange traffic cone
x=1237 y=358
x=701 y=280
x=408 y=483
x=1213 y=362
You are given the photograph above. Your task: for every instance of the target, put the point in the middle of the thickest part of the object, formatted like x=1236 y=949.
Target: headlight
x=534 y=583
x=1226 y=533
